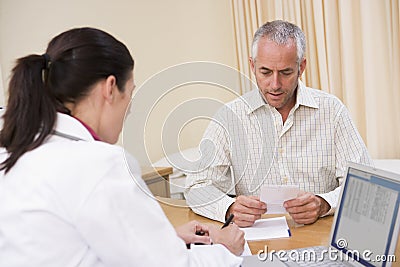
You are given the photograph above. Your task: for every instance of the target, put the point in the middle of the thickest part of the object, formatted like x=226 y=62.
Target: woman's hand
x=231 y=237
x=188 y=233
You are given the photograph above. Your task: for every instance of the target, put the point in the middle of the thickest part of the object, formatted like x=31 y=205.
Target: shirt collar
x=304 y=97
x=91 y=131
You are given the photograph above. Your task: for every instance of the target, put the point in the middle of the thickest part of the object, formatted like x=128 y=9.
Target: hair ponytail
x=41 y=85
x=31 y=113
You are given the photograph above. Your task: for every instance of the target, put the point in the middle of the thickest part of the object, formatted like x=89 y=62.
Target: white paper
x=246 y=251
x=275 y=195
x=267 y=229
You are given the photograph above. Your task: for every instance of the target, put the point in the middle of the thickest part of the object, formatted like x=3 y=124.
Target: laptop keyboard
x=312 y=256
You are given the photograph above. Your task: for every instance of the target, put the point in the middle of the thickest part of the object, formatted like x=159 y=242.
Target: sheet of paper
x=275 y=195
x=267 y=229
x=246 y=251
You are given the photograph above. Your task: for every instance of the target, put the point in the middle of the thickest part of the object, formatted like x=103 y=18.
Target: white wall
x=159 y=34
x=1 y=89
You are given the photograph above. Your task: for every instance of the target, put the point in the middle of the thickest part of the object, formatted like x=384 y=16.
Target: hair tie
x=47 y=61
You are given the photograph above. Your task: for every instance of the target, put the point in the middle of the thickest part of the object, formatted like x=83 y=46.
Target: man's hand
x=306 y=208
x=246 y=209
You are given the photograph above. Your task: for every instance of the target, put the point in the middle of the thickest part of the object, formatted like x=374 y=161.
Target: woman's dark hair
x=41 y=84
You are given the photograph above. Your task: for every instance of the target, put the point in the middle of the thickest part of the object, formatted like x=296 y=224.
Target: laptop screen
x=366 y=223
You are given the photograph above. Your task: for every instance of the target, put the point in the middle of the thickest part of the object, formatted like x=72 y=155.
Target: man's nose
x=275 y=83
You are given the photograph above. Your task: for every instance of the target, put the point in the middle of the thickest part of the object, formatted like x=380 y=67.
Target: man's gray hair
x=280 y=32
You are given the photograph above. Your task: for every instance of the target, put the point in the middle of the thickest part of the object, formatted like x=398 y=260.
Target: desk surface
x=151 y=172
x=157 y=179
x=316 y=234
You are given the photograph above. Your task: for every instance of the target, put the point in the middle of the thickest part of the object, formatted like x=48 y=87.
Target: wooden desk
x=316 y=234
x=157 y=179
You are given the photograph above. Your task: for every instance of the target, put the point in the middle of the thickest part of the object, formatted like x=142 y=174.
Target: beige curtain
x=247 y=18
x=353 y=52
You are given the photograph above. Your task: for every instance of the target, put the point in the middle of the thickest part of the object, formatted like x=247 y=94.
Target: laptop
x=365 y=228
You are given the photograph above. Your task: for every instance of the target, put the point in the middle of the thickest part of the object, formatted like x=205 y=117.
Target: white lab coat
x=75 y=203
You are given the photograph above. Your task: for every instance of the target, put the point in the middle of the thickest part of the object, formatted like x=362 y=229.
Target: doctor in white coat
x=67 y=195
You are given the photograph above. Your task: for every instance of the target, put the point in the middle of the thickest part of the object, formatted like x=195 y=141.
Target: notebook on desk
x=365 y=228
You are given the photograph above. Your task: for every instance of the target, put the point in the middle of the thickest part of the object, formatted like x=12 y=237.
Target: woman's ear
x=109 y=87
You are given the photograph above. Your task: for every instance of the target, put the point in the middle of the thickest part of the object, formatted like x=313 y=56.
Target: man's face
x=277 y=71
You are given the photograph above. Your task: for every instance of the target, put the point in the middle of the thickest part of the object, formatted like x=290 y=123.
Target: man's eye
x=265 y=72
x=287 y=72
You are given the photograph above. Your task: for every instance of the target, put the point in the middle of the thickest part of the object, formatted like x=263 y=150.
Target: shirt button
x=284 y=180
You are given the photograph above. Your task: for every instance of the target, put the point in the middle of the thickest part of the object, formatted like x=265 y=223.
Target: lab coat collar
x=69 y=127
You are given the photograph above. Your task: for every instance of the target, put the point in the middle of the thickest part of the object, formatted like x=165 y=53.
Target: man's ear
x=109 y=87
x=252 y=65
x=303 y=64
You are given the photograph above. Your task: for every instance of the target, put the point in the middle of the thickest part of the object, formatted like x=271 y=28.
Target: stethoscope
x=67 y=136
x=63 y=135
